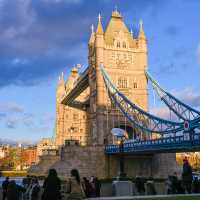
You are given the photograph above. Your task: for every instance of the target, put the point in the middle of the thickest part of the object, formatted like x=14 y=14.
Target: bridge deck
x=161 y=145
x=81 y=84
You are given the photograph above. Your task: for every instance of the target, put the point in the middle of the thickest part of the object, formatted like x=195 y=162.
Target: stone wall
x=46 y=162
x=92 y=161
x=165 y=164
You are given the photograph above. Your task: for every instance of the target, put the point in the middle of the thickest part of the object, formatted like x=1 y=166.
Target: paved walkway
x=158 y=197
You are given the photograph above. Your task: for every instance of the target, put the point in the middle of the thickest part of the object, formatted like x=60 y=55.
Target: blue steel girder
x=161 y=145
x=180 y=109
x=81 y=84
x=137 y=116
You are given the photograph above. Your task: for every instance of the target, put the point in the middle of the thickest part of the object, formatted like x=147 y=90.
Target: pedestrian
x=87 y=187
x=169 y=185
x=28 y=189
x=97 y=187
x=5 y=187
x=151 y=187
x=139 y=184
x=174 y=179
x=92 y=183
x=180 y=188
x=14 y=191
x=76 y=191
x=35 y=189
x=195 y=185
x=52 y=186
x=187 y=176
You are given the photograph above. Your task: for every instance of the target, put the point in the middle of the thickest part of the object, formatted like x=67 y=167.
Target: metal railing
x=171 y=144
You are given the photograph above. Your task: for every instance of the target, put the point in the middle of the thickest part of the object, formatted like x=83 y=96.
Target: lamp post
x=121 y=136
x=122 y=174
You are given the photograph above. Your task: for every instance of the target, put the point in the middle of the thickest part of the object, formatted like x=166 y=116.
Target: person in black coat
x=5 y=187
x=97 y=185
x=14 y=191
x=52 y=186
x=187 y=176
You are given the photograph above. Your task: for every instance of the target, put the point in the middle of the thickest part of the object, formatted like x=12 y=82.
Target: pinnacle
x=141 y=33
x=99 y=26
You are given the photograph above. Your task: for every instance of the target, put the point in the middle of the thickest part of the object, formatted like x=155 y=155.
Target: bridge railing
x=178 y=143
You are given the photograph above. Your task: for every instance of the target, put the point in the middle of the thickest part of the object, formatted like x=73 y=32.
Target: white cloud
x=188 y=96
x=11 y=107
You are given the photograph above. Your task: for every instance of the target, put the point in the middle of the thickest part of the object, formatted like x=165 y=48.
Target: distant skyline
x=42 y=38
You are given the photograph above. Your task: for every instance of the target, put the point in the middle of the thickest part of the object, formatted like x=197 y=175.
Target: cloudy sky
x=41 y=38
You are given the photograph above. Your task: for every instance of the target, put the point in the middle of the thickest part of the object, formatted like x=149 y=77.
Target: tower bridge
x=113 y=92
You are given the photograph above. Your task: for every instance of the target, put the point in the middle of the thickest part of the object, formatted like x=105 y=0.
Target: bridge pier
x=92 y=161
x=164 y=164
x=152 y=165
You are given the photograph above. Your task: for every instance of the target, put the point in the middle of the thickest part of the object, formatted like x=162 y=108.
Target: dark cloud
x=39 y=38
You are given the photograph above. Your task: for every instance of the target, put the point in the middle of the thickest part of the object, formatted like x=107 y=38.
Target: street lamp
x=122 y=174
x=120 y=134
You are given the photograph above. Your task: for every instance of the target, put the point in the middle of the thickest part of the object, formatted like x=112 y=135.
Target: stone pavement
x=156 y=197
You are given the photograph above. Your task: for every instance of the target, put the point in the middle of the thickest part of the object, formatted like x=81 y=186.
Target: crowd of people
x=184 y=185
x=29 y=190
x=77 y=188
x=51 y=189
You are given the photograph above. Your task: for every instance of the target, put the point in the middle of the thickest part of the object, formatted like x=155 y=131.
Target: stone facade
x=71 y=123
x=124 y=57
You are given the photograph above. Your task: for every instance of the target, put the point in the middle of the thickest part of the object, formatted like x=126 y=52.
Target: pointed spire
x=61 y=79
x=92 y=28
x=141 y=33
x=116 y=13
x=92 y=36
x=99 y=26
x=131 y=33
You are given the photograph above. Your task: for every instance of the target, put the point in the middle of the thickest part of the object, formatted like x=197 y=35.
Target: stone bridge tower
x=125 y=58
x=82 y=106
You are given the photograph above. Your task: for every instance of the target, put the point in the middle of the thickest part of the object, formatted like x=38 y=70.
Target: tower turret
x=92 y=36
x=99 y=30
x=99 y=49
x=142 y=37
x=60 y=87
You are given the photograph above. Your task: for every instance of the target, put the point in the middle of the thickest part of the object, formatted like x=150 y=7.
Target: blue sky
x=41 y=38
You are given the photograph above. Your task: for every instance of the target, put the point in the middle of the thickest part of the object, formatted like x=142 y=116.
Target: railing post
x=122 y=174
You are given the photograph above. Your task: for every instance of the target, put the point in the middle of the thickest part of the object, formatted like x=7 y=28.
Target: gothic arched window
x=134 y=85
x=122 y=83
x=118 y=44
x=124 y=45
